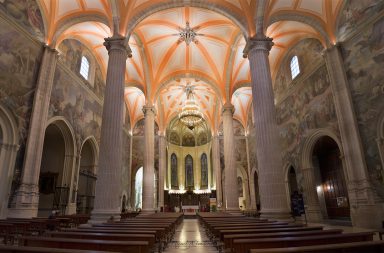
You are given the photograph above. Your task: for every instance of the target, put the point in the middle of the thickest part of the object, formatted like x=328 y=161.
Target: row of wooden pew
x=142 y=234
x=241 y=234
x=12 y=228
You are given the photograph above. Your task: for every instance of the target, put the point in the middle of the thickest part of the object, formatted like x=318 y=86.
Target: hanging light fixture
x=190 y=114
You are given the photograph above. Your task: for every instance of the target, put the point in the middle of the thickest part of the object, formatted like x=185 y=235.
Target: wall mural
x=364 y=58
x=308 y=105
x=241 y=152
x=27 y=14
x=188 y=140
x=74 y=103
x=19 y=66
x=71 y=53
x=354 y=13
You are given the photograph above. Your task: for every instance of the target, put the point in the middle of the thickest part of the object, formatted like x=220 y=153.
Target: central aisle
x=190 y=238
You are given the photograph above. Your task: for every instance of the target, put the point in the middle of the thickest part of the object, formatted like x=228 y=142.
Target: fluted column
x=26 y=201
x=149 y=159
x=272 y=189
x=108 y=184
x=162 y=168
x=312 y=205
x=360 y=191
x=230 y=184
x=251 y=183
x=217 y=170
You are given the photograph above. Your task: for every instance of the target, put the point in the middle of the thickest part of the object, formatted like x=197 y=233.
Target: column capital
x=117 y=43
x=256 y=43
x=149 y=109
x=228 y=108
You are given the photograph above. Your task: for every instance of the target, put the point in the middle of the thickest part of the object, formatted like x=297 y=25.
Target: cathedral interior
x=265 y=108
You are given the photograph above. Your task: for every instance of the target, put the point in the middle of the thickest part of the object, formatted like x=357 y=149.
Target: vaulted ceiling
x=161 y=64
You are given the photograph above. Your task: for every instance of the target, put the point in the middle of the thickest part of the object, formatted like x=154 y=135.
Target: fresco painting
x=27 y=14
x=73 y=102
x=71 y=52
x=354 y=13
x=363 y=58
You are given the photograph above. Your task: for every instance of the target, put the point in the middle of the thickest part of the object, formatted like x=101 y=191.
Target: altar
x=190 y=209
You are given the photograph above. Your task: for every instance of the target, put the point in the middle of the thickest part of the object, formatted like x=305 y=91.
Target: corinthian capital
x=256 y=43
x=117 y=42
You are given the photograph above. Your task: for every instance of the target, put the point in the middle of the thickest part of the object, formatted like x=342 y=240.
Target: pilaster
x=217 y=169
x=162 y=168
x=312 y=206
x=361 y=194
x=26 y=202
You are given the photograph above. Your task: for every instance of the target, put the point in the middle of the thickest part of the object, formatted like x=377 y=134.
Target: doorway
x=332 y=189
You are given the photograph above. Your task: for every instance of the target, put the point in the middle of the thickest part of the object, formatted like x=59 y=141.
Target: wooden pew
x=228 y=239
x=150 y=238
x=25 y=249
x=353 y=247
x=244 y=245
x=103 y=245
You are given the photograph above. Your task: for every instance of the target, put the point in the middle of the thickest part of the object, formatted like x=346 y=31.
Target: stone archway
x=87 y=177
x=329 y=174
x=56 y=169
x=9 y=140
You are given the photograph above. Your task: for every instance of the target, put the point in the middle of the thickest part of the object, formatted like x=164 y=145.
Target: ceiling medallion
x=190 y=114
x=188 y=35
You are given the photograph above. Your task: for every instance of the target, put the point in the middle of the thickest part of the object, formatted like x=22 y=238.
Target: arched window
x=295 y=68
x=174 y=181
x=189 y=182
x=204 y=171
x=84 y=67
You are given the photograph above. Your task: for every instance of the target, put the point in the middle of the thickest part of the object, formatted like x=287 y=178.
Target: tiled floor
x=190 y=238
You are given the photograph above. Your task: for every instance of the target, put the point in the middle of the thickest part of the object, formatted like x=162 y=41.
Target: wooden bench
x=25 y=249
x=103 y=245
x=228 y=239
x=353 y=247
x=244 y=245
x=150 y=238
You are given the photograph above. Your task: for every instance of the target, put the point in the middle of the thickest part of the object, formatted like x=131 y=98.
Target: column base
x=26 y=202
x=147 y=212
x=367 y=216
x=102 y=216
x=71 y=209
x=278 y=215
x=313 y=214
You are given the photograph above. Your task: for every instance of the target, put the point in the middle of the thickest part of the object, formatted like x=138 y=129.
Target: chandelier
x=187 y=34
x=190 y=114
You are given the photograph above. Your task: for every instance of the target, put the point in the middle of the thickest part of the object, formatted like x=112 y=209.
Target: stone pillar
x=273 y=194
x=252 y=196
x=312 y=206
x=130 y=180
x=162 y=168
x=149 y=159
x=108 y=184
x=230 y=184
x=360 y=191
x=217 y=169
x=26 y=202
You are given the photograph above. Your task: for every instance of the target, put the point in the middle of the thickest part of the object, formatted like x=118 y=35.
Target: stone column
x=26 y=202
x=129 y=191
x=108 y=184
x=252 y=196
x=360 y=191
x=217 y=169
x=149 y=159
x=230 y=185
x=312 y=206
x=162 y=168
x=271 y=184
